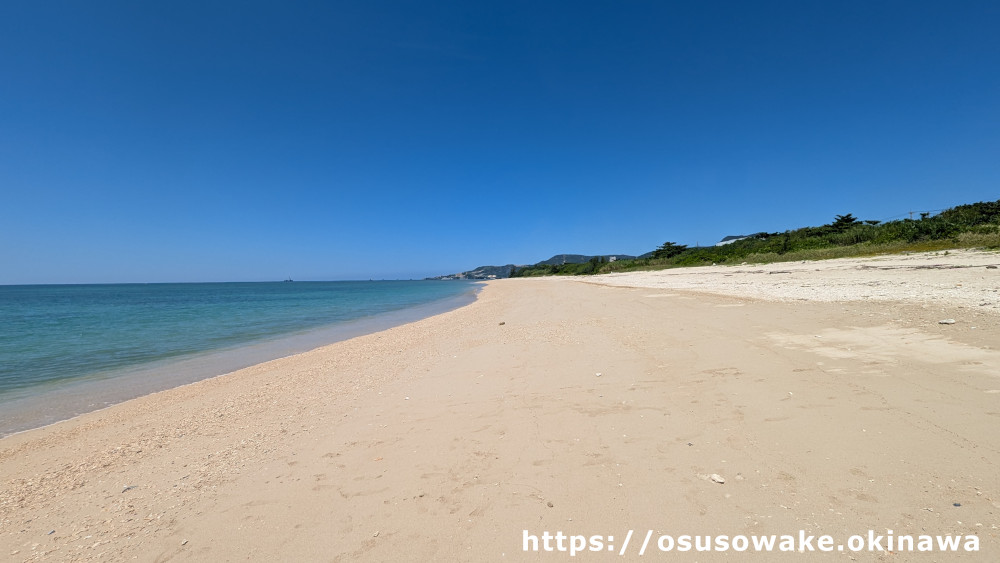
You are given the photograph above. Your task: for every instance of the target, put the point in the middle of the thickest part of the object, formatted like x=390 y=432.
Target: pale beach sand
x=829 y=399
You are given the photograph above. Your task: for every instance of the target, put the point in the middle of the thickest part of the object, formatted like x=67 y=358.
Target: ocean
x=70 y=349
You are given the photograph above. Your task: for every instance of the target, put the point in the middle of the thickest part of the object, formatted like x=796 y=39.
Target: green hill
x=975 y=225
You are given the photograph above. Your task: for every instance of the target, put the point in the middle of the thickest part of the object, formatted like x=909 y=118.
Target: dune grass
x=975 y=226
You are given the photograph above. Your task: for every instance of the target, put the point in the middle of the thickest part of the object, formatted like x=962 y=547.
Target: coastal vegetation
x=592 y=266
x=975 y=225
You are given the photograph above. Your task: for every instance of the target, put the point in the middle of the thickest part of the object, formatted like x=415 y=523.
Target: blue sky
x=210 y=141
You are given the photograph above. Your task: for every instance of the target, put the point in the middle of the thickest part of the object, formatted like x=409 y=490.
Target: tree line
x=970 y=225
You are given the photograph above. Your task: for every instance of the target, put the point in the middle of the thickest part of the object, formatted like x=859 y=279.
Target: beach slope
x=549 y=405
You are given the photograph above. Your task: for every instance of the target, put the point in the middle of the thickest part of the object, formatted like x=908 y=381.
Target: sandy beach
x=824 y=397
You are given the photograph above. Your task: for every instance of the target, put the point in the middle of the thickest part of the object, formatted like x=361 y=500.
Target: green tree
x=669 y=250
x=843 y=222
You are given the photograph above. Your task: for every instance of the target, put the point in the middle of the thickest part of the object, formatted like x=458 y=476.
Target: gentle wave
x=65 y=350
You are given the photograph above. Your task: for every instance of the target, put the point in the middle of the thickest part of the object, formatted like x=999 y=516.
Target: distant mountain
x=501 y=272
x=481 y=273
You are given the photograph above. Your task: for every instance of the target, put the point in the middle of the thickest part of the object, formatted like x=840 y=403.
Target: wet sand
x=546 y=405
x=33 y=407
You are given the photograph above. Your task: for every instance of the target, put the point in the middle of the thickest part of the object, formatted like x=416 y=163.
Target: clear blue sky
x=208 y=140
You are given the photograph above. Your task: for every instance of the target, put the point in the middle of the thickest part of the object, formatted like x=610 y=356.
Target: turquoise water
x=58 y=343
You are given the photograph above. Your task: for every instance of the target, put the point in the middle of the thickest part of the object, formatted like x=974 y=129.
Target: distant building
x=731 y=239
